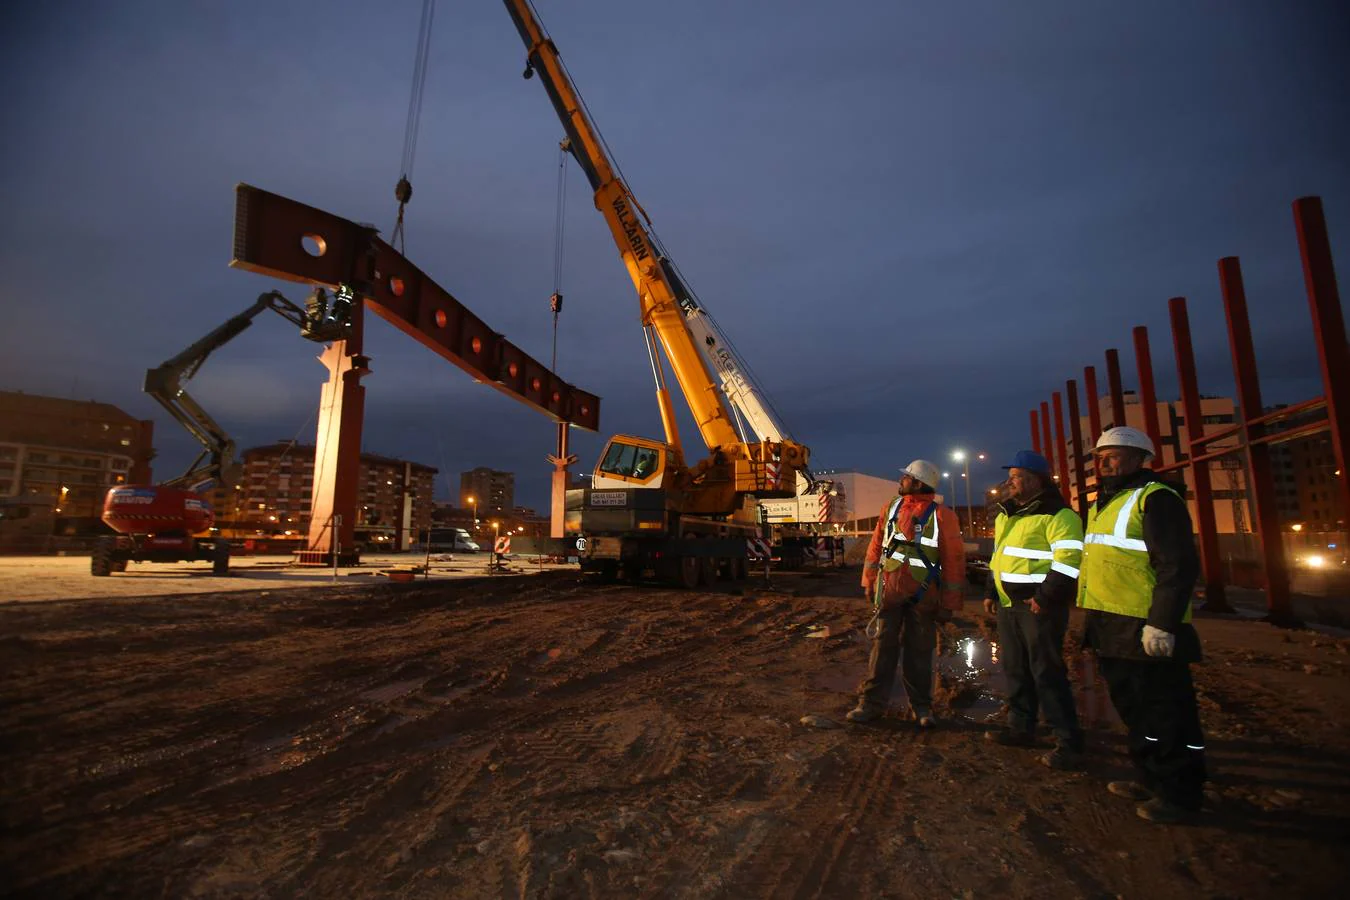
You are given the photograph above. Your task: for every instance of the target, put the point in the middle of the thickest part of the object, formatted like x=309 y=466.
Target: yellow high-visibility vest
x=1116 y=574
x=1028 y=548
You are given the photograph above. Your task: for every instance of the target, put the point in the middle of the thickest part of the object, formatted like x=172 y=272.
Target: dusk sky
x=914 y=220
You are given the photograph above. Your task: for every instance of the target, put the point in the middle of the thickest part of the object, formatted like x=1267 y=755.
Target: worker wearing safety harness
x=1139 y=568
x=1033 y=583
x=914 y=574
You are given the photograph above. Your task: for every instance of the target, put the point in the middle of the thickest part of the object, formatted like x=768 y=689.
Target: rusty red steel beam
x=1286 y=412
x=1148 y=395
x=1047 y=449
x=1093 y=405
x=1113 y=384
x=1222 y=433
x=1035 y=433
x=1261 y=488
x=1324 y=299
x=1076 y=448
x=1061 y=449
x=1280 y=437
x=271 y=238
x=1211 y=565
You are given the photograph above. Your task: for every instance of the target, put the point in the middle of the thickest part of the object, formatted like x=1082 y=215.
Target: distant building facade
x=273 y=496
x=58 y=458
x=492 y=492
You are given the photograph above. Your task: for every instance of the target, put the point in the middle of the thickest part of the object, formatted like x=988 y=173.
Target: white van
x=447 y=540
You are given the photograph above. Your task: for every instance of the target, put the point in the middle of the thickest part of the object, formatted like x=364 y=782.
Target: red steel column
x=1261 y=487
x=1117 y=393
x=1035 y=433
x=1329 y=330
x=1061 y=451
x=1148 y=396
x=1076 y=449
x=1047 y=448
x=1216 y=598
x=1093 y=404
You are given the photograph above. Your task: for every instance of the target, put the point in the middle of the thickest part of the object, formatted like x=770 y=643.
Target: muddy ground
x=541 y=737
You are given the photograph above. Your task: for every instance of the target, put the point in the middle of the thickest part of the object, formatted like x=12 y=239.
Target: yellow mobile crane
x=646 y=508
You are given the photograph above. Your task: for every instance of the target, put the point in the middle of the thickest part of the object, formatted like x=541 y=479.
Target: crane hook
x=529 y=71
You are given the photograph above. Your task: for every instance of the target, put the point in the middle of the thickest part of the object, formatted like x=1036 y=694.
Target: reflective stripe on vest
x=927 y=541
x=1025 y=554
x=1117 y=576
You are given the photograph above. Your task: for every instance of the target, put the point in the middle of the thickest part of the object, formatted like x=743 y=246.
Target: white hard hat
x=1126 y=437
x=924 y=471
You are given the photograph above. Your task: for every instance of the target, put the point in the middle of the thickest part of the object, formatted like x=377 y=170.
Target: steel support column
x=1047 y=448
x=1035 y=432
x=1061 y=450
x=1216 y=598
x=1117 y=392
x=1148 y=397
x=1093 y=404
x=337 y=452
x=561 y=460
x=1319 y=275
x=1261 y=483
x=1076 y=448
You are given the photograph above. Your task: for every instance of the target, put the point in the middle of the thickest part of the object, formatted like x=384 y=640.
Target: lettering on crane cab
x=630 y=228
x=609 y=498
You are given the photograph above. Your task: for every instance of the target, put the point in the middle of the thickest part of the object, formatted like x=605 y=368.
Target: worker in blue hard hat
x=1033 y=583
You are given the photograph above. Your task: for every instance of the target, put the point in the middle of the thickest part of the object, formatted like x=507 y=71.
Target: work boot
x=1131 y=790
x=1009 y=738
x=1064 y=759
x=1165 y=812
x=864 y=712
x=925 y=718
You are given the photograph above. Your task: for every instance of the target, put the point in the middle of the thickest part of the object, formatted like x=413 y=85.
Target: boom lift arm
x=665 y=303
x=318 y=321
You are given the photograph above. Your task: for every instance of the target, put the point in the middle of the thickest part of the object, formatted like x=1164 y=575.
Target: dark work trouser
x=904 y=629
x=1156 y=701
x=1031 y=648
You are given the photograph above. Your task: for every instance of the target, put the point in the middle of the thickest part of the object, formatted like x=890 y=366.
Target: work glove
x=990 y=606
x=1157 y=642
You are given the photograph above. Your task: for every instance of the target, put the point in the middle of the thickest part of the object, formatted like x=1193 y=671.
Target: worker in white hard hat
x=1139 y=568
x=914 y=574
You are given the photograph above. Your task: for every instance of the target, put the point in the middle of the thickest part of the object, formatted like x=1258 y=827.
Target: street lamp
x=473 y=504
x=962 y=456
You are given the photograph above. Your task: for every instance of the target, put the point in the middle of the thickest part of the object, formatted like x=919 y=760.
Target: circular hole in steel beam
x=314 y=245
x=556 y=396
x=513 y=370
x=476 y=346
x=534 y=384
x=585 y=410
x=396 y=285
x=441 y=318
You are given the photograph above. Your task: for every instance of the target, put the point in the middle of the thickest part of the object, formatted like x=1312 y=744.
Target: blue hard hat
x=1031 y=461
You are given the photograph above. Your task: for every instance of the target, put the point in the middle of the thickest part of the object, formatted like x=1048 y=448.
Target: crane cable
x=555 y=302
x=403 y=190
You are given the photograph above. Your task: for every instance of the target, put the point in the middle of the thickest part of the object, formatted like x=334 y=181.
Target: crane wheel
x=689 y=572
x=101 y=563
x=220 y=561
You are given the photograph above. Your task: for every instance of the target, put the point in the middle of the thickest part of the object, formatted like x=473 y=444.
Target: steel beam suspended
x=282 y=238
x=1093 y=404
x=1035 y=432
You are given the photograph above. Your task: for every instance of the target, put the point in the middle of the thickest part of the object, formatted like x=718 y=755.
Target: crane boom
x=658 y=296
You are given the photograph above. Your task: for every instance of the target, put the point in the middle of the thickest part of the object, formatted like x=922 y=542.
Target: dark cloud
x=914 y=222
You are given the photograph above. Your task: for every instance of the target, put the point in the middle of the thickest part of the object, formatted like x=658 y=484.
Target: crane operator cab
x=632 y=462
